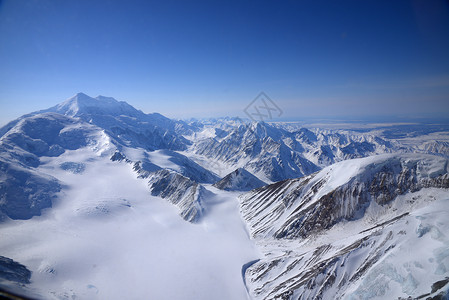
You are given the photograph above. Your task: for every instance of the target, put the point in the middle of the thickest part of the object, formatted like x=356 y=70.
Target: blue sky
x=322 y=59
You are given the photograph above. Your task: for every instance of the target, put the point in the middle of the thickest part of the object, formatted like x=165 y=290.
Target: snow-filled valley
x=99 y=200
x=106 y=237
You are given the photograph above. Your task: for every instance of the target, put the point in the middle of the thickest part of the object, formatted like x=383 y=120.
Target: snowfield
x=99 y=200
x=106 y=237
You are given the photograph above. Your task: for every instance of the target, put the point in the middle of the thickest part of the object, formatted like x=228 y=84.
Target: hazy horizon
x=349 y=120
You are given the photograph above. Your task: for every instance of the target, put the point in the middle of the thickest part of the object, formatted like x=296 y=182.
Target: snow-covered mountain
x=239 y=180
x=95 y=195
x=436 y=147
x=101 y=124
x=273 y=154
x=21 y=150
x=122 y=122
x=126 y=125
x=359 y=229
x=258 y=148
x=187 y=194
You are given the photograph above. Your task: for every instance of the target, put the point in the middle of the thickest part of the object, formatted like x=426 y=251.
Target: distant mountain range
x=332 y=211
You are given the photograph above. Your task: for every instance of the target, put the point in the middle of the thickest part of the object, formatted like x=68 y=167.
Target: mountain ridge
x=239 y=180
x=328 y=235
x=325 y=213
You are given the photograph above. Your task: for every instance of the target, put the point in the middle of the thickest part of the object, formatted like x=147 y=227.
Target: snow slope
x=106 y=237
x=25 y=190
x=102 y=124
x=122 y=122
x=273 y=153
x=370 y=228
x=92 y=190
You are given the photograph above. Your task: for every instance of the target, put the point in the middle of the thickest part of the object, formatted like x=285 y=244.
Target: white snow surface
x=393 y=250
x=340 y=173
x=414 y=255
x=106 y=237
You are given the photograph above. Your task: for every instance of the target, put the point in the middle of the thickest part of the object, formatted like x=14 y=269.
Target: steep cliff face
x=339 y=233
x=301 y=207
x=186 y=194
x=239 y=180
x=178 y=189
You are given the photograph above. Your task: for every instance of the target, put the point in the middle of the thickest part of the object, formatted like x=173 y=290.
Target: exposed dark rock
x=117 y=156
x=179 y=190
x=239 y=180
x=378 y=182
x=11 y=270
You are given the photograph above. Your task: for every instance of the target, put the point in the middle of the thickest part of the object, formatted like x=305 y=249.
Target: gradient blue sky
x=327 y=59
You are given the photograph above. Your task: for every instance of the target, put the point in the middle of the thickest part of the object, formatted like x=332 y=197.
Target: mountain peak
x=82 y=98
x=239 y=180
x=81 y=104
x=73 y=105
x=81 y=95
x=86 y=99
x=106 y=99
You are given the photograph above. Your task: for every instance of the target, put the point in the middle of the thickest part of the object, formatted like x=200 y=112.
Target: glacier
x=99 y=200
